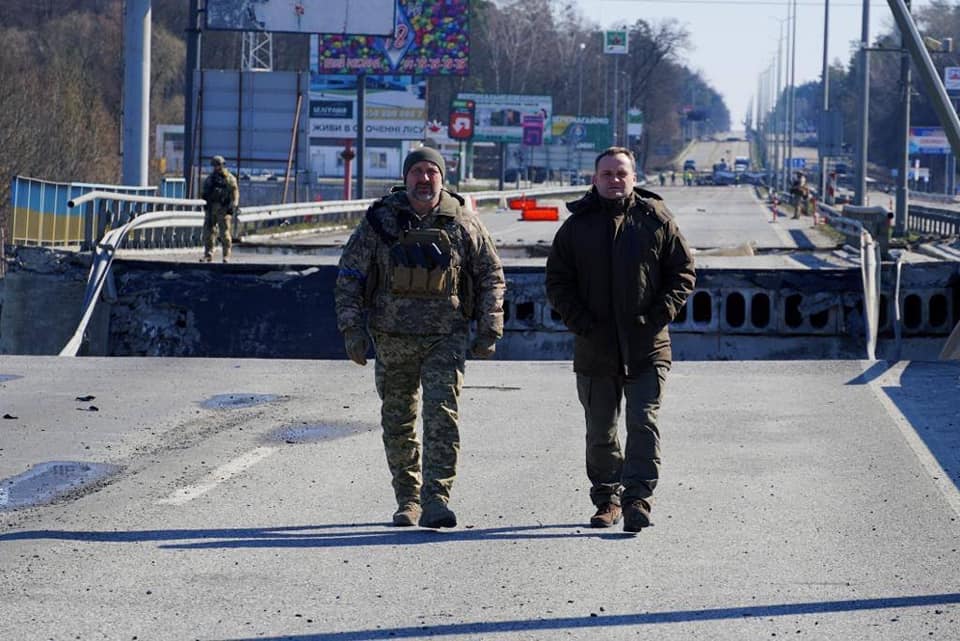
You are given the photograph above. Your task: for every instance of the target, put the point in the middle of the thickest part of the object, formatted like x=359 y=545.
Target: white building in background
x=168 y=149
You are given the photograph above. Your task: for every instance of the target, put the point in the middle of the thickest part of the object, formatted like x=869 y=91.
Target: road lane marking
x=223 y=473
x=940 y=478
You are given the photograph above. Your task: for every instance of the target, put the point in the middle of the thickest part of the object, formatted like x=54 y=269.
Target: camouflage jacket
x=363 y=291
x=220 y=191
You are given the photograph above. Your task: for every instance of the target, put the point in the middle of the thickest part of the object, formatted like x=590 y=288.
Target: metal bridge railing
x=925 y=219
x=153 y=222
x=103 y=211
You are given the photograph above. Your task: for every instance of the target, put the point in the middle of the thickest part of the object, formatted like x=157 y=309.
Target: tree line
x=939 y=20
x=62 y=65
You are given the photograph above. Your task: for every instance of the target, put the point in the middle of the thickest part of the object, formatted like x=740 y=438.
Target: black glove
x=483 y=346
x=357 y=343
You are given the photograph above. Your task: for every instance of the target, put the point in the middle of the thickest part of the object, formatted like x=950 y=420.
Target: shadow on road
x=316 y=536
x=927 y=399
x=608 y=621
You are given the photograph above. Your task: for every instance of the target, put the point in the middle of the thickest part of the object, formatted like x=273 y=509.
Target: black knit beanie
x=423 y=153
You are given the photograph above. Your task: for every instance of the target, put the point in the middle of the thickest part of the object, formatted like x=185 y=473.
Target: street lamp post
x=779 y=105
x=860 y=190
x=792 y=93
x=581 y=48
x=825 y=86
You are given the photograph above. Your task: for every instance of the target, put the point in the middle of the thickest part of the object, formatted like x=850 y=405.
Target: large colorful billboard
x=430 y=38
x=500 y=117
x=375 y=17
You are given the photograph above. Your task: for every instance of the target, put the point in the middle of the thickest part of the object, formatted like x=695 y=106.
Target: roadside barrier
x=522 y=203
x=540 y=213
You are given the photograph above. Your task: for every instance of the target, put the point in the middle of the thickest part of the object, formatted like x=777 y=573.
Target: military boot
x=437 y=515
x=407 y=514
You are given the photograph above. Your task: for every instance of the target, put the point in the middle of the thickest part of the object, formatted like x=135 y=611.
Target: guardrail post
x=89 y=229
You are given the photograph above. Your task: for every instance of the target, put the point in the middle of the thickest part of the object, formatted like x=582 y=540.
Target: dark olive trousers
x=622 y=474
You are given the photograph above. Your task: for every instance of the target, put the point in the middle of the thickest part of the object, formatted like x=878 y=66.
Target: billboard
x=247 y=117
x=375 y=17
x=429 y=38
x=396 y=107
x=586 y=132
x=928 y=140
x=951 y=79
x=634 y=122
x=500 y=117
x=615 y=42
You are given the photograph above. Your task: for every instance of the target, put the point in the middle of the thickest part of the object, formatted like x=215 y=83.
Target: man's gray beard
x=424 y=197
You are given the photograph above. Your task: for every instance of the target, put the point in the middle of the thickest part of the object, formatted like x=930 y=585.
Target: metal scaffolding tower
x=256 y=52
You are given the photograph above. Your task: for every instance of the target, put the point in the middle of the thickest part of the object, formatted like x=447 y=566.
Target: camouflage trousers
x=634 y=471
x=215 y=223
x=406 y=364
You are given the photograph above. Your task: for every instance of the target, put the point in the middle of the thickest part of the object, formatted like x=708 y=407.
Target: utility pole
x=615 y=120
x=825 y=84
x=580 y=49
x=190 y=103
x=778 y=116
x=792 y=99
x=900 y=216
x=136 y=91
x=863 y=135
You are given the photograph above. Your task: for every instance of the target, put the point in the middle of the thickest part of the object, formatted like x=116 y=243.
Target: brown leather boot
x=607 y=515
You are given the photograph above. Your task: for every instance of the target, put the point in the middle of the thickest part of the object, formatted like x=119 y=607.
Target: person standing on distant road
x=416 y=270
x=618 y=273
x=222 y=195
x=800 y=192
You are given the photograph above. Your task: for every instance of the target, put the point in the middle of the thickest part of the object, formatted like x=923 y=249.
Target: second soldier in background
x=222 y=195
x=416 y=270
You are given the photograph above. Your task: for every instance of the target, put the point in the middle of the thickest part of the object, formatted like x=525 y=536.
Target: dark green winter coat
x=618 y=273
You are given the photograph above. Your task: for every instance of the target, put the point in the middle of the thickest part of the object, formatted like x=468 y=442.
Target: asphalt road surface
x=250 y=500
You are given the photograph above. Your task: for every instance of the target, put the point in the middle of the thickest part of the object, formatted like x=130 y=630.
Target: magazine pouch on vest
x=219 y=190
x=420 y=264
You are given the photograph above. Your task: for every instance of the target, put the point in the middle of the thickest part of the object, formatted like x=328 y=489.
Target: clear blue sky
x=734 y=41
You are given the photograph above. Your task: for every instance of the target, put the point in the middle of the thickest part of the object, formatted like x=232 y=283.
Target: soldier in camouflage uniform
x=222 y=194
x=417 y=269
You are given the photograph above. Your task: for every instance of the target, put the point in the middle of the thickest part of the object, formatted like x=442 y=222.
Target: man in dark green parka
x=618 y=273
